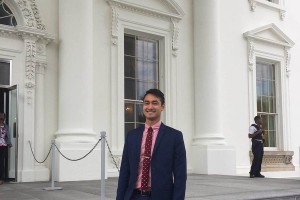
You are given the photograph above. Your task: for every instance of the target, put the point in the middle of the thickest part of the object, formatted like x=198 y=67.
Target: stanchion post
x=103 y=139
x=53 y=169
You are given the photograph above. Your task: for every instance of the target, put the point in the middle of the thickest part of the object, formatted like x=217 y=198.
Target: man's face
x=260 y=121
x=152 y=107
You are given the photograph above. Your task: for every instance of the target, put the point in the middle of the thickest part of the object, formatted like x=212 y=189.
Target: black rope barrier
x=112 y=156
x=80 y=157
x=35 y=157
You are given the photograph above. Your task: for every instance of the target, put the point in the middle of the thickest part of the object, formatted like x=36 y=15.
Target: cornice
x=144 y=10
x=254 y=34
x=23 y=31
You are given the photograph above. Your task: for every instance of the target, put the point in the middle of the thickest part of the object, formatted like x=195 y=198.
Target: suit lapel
x=138 y=142
x=160 y=135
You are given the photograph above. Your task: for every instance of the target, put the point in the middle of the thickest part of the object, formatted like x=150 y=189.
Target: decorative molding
x=114 y=25
x=174 y=17
x=175 y=34
x=282 y=14
x=287 y=58
x=148 y=11
x=251 y=57
x=276 y=160
x=40 y=68
x=21 y=32
x=30 y=46
x=274 y=6
x=272 y=28
x=31 y=14
x=252 y=5
x=36 y=14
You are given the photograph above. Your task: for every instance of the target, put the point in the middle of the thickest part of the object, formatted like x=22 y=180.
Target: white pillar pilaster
x=29 y=108
x=41 y=171
x=211 y=154
x=75 y=120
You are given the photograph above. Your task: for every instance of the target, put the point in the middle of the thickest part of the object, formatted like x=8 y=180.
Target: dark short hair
x=257 y=118
x=157 y=93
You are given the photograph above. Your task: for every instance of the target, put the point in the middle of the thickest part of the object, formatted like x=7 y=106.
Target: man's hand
x=10 y=145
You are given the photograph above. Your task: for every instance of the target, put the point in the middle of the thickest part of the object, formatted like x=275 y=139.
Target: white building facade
x=72 y=68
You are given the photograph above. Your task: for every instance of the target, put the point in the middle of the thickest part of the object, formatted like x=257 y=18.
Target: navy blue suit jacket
x=168 y=165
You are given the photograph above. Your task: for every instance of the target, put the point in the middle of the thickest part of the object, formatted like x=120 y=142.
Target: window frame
x=278 y=103
x=271 y=47
x=144 y=37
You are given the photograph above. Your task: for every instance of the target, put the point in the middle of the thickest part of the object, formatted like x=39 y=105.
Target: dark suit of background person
x=256 y=135
x=168 y=162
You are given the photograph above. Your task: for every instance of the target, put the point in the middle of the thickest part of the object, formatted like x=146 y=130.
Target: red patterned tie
x=147 y=160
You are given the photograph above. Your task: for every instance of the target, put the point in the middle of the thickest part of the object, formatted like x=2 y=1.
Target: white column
x=75 y=135
x=211 y=154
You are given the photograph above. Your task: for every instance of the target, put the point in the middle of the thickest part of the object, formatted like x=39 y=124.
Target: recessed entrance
x=9 y=106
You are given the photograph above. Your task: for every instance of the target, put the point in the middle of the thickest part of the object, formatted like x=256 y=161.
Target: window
x=141 y=72
x=4 y=73
x=266 y=100
x=6 y=16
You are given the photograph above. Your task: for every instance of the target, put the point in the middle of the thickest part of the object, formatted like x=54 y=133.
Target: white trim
x=178 y=14
x=262 y=48
x=255 y=34
x=165 y=30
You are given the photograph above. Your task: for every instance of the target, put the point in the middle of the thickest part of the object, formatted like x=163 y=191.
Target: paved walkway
x=200 y=187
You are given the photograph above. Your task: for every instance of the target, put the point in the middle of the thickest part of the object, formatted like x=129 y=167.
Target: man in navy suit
x=161 y=174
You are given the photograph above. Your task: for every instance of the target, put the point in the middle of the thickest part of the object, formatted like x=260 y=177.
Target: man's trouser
x=258 y=152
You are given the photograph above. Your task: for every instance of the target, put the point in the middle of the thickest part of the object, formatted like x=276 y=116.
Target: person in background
x=4 y=143
x=256 y=134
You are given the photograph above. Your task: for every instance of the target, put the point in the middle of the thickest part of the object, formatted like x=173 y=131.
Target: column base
x=39 y=173
x=89 y=168
x=213 y=159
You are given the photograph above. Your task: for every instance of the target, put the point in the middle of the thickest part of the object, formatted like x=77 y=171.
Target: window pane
x=141 y=69
x=258 y=87
x=129 y=112
x=141 y=89
x=140 y=49
x=4 y=73
x=152 y=71
x=271 y=88
x=264 y=87
x=129 y=66
x=129 y=88
x=139 y=113
x=152 y=51
x=258 y=71
x=272 y=123
x=141 y=73
x=129 y=45
x=264 y=71
x=272 y=105
x=265 y=104
x=6 y=16
x=272 y=138
x=259 y=107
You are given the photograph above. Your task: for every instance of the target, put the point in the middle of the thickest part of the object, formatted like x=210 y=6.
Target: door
x=9 y=105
